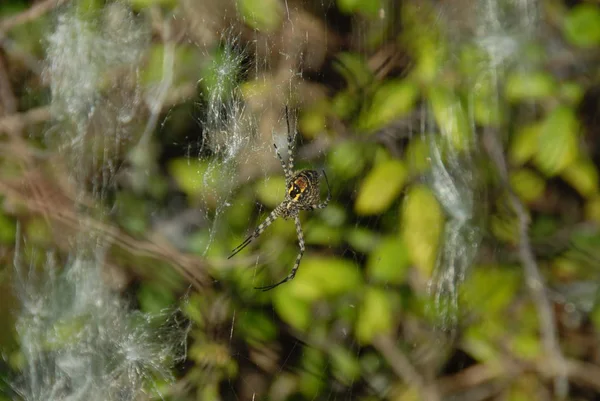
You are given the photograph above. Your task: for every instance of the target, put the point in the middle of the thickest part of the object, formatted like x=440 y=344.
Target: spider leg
x=298 y=259
x=324 y=204
x=288 y=173
x=258 y=231
x=290 y=142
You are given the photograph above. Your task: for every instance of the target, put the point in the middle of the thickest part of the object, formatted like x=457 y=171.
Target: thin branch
x=534 y=279
x=401 y=365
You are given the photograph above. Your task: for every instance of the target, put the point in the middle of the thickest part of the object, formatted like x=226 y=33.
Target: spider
x=303 y=193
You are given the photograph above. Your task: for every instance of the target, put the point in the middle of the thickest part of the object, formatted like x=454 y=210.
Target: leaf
x=154 y=298
x=362 y=239
x=8 y=229
x=533 y=85
x=421 y=227
x=270 y=191
x=196 y=178
x=368 y=8
x=380 y=188
x=592 y=210
x=392 y=100
x=375 y=315
x=582 y=25
x=558 y=142
x=527 y=184
x=354 y=69
x=345 y=366
x=262 y=15
x=583 y=176
x=320 y=277
x=450 y=117
x=525 y=143
x=256 y=327
x=418 y=155
x=389 y=262
x=347 y=160
x=293 y=309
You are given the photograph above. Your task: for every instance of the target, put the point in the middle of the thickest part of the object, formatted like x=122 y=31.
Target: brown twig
x=534 y=279
x=401 y=365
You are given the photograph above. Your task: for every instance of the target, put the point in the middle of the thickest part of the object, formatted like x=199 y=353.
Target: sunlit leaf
x=141 y=4
x=381 y=187
x=525 y=143
x=391 y=101
x=583 y=176
x=362 y=239
x=558 y=141
x=369 y=8
x=292 y=309
x=270 y=191
x=263 y=15
x=313 y=119
x=507 y=281
x=313 y=361
x=532 y=85
x=582 y=25
x=450 y=117
x=418 y=155
x=345 y=365
x=197 y=179
x=421 y=227
x=322 y=234
x=347 y=159
x=320 y=277
x=389 y=262
x=353 y=68
x=179 y=65
x=375 y=315
x=527 y=184
x=592 y=209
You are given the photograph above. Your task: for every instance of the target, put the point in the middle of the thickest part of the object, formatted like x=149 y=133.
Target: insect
x=302 y=193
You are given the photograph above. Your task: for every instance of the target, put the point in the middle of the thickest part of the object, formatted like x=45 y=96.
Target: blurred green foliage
x=384 y=136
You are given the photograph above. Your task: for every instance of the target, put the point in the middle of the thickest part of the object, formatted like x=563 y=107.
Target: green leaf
x=507 y=282
x=450 y=117
x=582 y=25
x=293 y=309
x=155 y=298
x=270 y=191
x=532 y=85
x=527 y=184
x=344 y=365
x=368 y=8
x=558 y=141
x=139 y=5
x=421 y=227
x=592 y=210
x=262 y=15
x=381 y=187
x=354 y=69
x=320 y=277
x=362 y=239
x=418 y=155
x=256 y=327
x=8 y=229
x=375 y=315
x=392 y=100
x=389 y=262
x=583 y=176
x=197 y=178
x=347 y=159
x=525 y=143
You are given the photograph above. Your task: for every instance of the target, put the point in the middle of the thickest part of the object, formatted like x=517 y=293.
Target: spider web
x=233 y=148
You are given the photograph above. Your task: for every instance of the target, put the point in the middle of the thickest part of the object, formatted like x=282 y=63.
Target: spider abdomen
x=303 y=190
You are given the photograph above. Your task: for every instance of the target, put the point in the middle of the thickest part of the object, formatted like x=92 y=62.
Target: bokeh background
x=459 y=257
